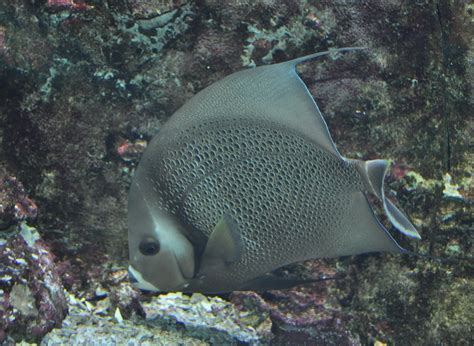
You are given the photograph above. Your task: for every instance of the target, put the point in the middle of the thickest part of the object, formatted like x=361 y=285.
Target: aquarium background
x=84 y=85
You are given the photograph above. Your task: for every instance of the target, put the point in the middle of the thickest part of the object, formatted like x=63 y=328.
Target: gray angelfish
x=244 y=179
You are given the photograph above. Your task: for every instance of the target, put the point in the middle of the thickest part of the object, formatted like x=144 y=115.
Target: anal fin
x=270 y=282
x=363 y=232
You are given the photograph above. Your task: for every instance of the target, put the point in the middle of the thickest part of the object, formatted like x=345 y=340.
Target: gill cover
x=172 y=265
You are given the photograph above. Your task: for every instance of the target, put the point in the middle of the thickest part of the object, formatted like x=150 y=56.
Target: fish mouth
x=131 y=277
x=138 y=281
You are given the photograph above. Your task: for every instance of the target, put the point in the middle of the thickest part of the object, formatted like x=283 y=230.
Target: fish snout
x=139 y=282
x=132 y=277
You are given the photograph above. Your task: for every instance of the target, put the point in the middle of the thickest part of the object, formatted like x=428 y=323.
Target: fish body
x=244 y=179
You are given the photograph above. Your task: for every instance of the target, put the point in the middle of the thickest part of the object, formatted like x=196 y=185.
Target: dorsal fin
x=373 y=174
x=273 y=93
x=305 y=58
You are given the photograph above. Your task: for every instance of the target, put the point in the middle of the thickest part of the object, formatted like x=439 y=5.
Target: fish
x=245 y=178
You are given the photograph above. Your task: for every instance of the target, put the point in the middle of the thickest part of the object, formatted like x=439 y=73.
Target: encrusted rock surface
x=87 y=326
x=211 y=318
x=32 y=300
x=308 y=314
x=15 y=205
x=85 y=84
x=169 y=320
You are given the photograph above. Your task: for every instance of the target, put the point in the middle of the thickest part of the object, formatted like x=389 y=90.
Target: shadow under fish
x=245 y=178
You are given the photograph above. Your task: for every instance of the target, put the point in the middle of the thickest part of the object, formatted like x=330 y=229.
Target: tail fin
x=373 y=173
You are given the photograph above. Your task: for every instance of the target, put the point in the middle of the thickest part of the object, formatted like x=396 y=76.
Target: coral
x=451 y=191
x=155 y=32
x=264 y=43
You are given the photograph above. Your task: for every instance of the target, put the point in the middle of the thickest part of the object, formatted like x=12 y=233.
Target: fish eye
x=149 y=246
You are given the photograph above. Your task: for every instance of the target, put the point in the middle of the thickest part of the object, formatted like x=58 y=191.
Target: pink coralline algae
x=15 y=205
x=32 y=300
x=77 y=5
x=129 y=151
x=398 y=171
x=3 y=46
x=152 y=8
x=312 y=21
x=302 y=315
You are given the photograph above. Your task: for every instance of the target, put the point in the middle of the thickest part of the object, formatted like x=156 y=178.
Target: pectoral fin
x=223 y=247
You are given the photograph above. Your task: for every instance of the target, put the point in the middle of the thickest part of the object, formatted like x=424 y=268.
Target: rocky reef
x=32 y=300
x=85 y=84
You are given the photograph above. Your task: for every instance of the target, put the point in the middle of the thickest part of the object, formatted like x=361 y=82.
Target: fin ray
x=309 y=57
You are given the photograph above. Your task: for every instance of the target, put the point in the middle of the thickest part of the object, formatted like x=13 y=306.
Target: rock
x=304 y=315
x=210 y=318
x=153 y=8
x=15 y=205
x=32 y=300
x=85 y=325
